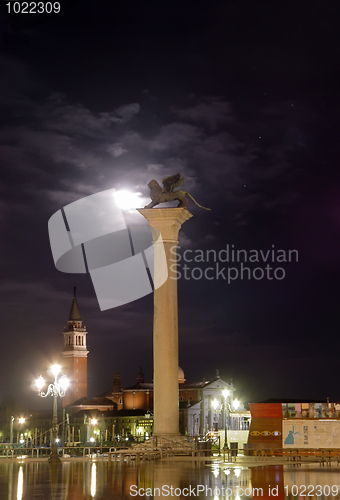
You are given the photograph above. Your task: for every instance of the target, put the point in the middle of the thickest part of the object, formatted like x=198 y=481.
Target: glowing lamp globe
x=64 y=383
x=236 y=404
x=55 y=369
x=40 y=382
x=225 y=393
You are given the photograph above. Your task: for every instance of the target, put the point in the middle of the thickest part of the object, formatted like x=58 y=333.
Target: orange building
x=139 y=396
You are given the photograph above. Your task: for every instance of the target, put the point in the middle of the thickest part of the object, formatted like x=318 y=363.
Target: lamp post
x=21 y=421
x=225 y=394
x=217 y=404
x=58 y=388
x=11 y=431
x=227 y=409
x=23 y=435
x=93 y=422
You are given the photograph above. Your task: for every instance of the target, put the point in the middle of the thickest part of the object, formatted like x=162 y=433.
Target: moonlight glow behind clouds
x=127 y=200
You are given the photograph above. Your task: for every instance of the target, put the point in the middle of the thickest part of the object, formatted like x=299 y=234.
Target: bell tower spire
x=75 y=354
x=74 y=312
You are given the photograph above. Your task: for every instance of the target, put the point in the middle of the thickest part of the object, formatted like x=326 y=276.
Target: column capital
x=168 y=221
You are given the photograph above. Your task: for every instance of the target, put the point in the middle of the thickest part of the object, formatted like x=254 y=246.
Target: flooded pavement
x=80 y=480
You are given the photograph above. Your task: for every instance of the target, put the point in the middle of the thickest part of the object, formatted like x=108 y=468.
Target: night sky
x=241 y=98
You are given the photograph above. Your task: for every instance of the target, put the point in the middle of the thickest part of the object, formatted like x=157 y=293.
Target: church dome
x=181 y=378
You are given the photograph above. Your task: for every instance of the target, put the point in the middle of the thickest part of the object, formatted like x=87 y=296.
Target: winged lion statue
x=162 y=195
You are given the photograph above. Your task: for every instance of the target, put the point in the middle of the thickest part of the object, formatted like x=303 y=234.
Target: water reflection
x=20 y=483
x=88 y=480
x=93 y=480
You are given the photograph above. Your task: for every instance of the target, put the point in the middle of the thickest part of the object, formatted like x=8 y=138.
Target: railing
x=295 y=455
x=44 y=451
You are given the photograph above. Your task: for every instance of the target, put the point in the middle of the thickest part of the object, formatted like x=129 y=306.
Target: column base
x=54 y=460
x=179 y=445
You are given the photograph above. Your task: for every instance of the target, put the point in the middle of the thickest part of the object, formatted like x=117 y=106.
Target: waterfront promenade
x=254 y=458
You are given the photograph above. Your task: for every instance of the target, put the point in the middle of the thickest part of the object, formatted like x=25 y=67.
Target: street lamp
x=225 y=394
x=11 y=432
x=21 y=421
x=58 y=388
x=93 y=422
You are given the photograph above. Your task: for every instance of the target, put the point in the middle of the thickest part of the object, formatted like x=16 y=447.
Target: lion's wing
x=172 y=182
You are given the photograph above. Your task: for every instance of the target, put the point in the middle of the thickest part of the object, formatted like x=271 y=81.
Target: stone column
x=167 y=222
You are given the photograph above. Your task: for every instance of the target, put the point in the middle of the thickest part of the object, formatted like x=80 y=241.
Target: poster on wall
x=310 y=433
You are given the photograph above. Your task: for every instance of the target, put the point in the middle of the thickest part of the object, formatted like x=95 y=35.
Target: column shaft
x=167 y=223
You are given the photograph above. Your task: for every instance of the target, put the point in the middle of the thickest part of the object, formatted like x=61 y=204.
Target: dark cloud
x=211 y=111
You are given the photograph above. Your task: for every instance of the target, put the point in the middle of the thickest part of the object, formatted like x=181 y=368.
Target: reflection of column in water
x=130 y=477
x=165 y=475
x=118 y=478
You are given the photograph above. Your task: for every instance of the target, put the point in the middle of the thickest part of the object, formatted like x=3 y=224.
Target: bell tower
x=75 y=355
